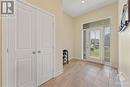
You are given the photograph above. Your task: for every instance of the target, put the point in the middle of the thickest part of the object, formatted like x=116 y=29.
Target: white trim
x=110 y=43
x=4 y=53
x=81 y=42
x=5 y=44
x=123 y=79
x=58 y=73
x=54 y=42
x=35 y=7
x=99 y=19
x=89 y=21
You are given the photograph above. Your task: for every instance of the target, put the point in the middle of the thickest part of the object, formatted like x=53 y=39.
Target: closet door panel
x=44 y=47
x=22 y=43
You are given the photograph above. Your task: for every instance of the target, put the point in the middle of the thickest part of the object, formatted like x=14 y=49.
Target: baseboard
x=58 y=73
x=115 y=67
x=79 y=59
x=123 y=79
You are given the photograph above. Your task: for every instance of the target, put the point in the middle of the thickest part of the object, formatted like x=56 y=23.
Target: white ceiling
x=76 y=8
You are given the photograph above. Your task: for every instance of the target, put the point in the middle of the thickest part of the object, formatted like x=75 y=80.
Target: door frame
x=5 y=42
x=81 y=35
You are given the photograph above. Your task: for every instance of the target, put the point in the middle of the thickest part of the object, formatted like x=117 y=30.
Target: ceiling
x=76 y=8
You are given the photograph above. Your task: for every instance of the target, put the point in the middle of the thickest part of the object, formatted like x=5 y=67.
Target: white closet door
x=44 y=47
x=22 y=44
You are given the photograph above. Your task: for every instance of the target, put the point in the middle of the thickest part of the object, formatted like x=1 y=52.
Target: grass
x=106 y=53
x=95 y=53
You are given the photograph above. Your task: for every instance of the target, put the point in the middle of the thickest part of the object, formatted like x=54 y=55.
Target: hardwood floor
x=85 y=74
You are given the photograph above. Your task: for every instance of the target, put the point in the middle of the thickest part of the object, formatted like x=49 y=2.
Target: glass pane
x=106 y=52
x=107 y=37
x=107 y=44
x=95 y=43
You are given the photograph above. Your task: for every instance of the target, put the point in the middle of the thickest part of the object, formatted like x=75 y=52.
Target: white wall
x=124 y=50
x=104 y=12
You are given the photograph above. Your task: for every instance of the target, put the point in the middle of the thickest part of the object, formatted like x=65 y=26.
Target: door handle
x=39 y=51
x=33 y=52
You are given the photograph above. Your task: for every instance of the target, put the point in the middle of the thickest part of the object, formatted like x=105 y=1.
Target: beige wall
x=68 y=35
x=124 y=50
x=107 y=11
x=0 y=52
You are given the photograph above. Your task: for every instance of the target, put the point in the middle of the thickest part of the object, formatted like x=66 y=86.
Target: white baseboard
x=116 y=67
x=120 y=77
x=58 y=73
x=123 y=80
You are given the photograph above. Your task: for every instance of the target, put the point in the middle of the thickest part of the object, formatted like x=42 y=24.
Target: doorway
x=93 y=44
x=96 y=41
